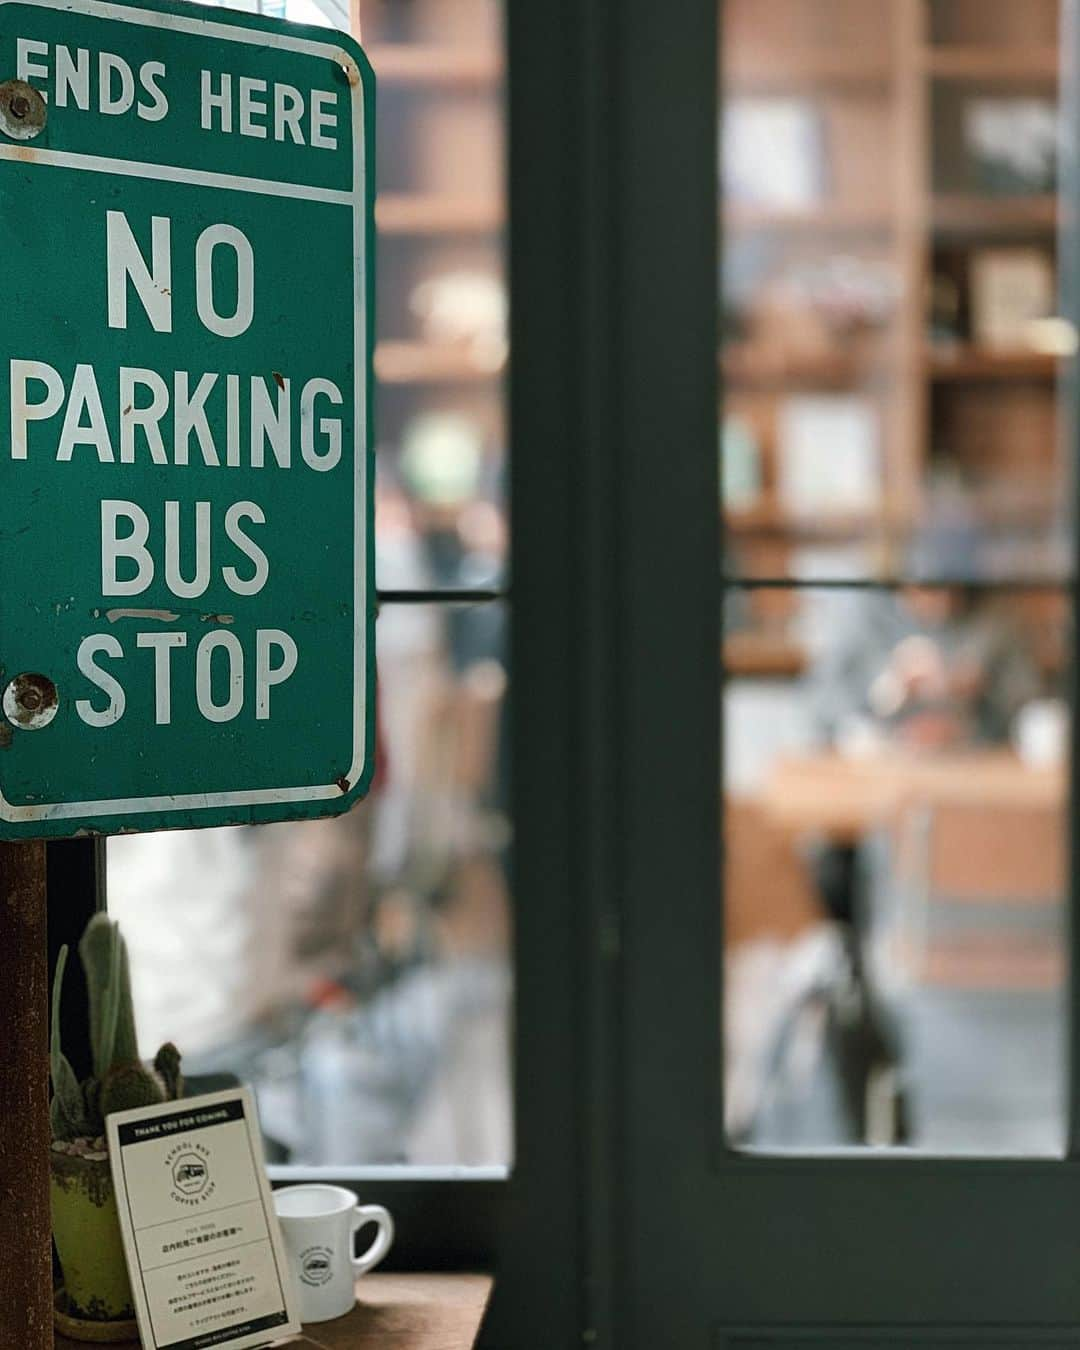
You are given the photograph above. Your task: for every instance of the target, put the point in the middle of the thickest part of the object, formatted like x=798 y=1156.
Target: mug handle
x=365 y=1214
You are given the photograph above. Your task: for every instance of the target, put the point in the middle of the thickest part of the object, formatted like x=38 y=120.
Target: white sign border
x=196 y=801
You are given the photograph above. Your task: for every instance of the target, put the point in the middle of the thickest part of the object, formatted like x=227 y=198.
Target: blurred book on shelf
x=1012 y=290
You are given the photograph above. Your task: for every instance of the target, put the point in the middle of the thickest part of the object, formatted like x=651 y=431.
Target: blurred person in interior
x=932 y=665
x=928 y=668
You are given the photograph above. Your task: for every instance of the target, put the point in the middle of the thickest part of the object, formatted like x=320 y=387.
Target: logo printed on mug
x=316 y=1266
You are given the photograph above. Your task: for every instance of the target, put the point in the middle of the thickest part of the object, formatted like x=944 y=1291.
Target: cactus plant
x=120 y=1079
x=86 y=1227
x=167 y=1064
x=108 y=983
x=68 y=1111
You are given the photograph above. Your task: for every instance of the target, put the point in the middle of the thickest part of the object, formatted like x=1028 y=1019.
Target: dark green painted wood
x=921 y=1339
x=555 y=1276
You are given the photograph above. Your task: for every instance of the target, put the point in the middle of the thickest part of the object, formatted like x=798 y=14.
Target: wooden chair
x=976 y=895
x=767 y=891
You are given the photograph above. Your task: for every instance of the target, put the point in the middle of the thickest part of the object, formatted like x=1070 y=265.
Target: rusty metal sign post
x=186 y=587
x=26 y=1313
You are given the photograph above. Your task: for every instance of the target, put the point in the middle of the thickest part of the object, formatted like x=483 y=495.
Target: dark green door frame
x=672 y=1250
x=632 y=1225
x=613 y=427
x=721 y=1249
x=557 y=1273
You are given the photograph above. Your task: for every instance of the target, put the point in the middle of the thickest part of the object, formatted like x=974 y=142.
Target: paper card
x=203 y=1246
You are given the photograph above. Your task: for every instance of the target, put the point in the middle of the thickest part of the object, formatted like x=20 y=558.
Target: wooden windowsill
x=399 y=1312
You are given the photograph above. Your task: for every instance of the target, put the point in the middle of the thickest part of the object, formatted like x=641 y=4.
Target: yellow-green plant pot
x=87 y=1233
x=97 y=1333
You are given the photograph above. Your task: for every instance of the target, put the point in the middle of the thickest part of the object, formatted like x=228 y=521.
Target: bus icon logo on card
x=190 y=1174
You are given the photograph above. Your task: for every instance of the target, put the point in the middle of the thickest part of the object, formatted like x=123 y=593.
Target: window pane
x=895 y=338
x=442 y=348
x=355 y=971
x=891 y=328
x=358 y=971
x=895 y=840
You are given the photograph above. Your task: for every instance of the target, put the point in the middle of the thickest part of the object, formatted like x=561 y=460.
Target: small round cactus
x=128 y=1086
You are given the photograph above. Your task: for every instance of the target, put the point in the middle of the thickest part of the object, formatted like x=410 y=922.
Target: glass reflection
x=896 y=473
x=355 y=971
x=891 y=323
x=895 y=850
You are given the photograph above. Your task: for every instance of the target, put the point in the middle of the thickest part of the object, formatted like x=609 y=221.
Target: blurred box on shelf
x=828 y=454
x=1013 y=144
x=1012 y=289
x=773 y=153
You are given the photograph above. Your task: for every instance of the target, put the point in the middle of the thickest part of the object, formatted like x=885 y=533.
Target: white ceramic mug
x=319 y=1224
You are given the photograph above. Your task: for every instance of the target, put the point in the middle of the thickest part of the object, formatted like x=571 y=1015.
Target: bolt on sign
x=187 y=601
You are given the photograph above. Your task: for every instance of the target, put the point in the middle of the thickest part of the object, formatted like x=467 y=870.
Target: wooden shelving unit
x=749 y=367
x=744 y=368
x=758 y=655
x=972 y=364
x=772 y=72
x=428 y=214
x=889 y=83
x=419 y=363
x=840 y=217
x=441 y=218
x=986 y=65
x=436 y=67
x=965 y=213
x=834 y=525
x=879 y=76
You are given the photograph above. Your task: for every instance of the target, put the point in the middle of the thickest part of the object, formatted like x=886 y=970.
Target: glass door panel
x=886 y=426
x=896 y=472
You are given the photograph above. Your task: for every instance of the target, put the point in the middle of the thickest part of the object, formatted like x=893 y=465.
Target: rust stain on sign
x=351 y=69
x=30 y=701
x=23 y=111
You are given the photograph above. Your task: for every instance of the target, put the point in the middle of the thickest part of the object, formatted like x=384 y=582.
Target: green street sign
x=186 y=552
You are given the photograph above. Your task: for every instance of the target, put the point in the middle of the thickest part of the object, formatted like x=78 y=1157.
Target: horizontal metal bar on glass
x=895 y=583
x=468 y=595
